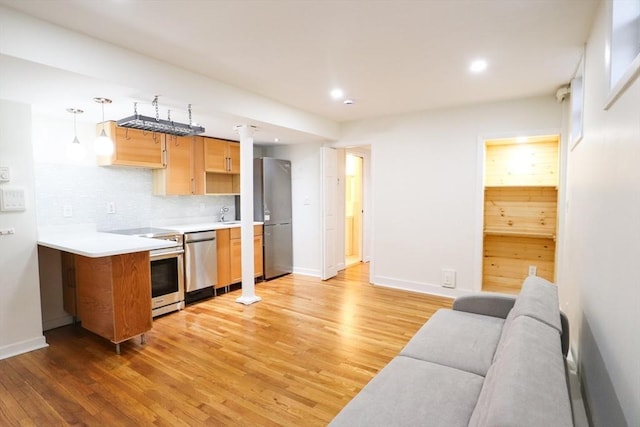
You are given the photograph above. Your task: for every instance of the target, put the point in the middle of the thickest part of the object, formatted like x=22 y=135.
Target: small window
x=624 y=47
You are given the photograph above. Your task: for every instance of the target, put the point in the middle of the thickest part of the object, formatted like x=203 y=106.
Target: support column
x=246 y=214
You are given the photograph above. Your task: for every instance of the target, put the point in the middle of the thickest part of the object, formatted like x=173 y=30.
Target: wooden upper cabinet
x=234 y=157
x=221 y=156
x=184 y=173
x=132 y=147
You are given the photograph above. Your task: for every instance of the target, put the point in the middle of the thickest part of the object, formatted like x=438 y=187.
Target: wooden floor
x=294 y=359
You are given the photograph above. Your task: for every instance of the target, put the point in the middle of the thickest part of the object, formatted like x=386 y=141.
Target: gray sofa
x=492 y=360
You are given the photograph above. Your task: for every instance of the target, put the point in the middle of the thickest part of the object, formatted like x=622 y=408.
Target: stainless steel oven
x=167 y=270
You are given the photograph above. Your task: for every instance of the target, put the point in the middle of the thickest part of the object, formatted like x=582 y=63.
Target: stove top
x=146 y=232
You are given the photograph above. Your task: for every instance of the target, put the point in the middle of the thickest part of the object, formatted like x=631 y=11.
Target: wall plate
x=12 y=199
x=5 y=174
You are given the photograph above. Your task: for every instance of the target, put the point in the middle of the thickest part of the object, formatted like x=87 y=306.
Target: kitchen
x=74 y=196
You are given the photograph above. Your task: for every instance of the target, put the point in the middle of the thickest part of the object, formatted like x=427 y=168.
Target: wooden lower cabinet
x=229 y=246
x=68 y=283
x=113 y=295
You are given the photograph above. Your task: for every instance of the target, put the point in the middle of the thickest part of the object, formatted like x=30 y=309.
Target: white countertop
x=95 y=244
x=204 y=226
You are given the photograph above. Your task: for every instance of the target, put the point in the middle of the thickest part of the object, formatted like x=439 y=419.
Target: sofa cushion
x=457 y=339
x=526 y=385
x=410 y=392
x=538 y=299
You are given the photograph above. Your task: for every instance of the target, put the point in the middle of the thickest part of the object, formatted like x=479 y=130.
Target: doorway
x=520 y=211
x=353 y=209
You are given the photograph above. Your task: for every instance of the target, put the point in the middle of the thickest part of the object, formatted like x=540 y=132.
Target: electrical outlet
x=448 y=278
x=533 y=270
x=67 y=211
x=5 y=174
x=111 y=207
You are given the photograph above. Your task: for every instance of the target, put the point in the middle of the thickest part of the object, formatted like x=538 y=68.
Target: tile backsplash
x=85 y=192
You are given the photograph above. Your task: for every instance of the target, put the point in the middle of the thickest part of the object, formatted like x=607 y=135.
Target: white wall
x=20 y=320
x=305 y=188
x=426 y=195
x=34 y=40
x=600 y=277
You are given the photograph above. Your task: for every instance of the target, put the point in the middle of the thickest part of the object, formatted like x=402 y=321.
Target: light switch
x=12 y=199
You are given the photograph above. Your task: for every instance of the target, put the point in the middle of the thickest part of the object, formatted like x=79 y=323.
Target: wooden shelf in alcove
x=519 y=233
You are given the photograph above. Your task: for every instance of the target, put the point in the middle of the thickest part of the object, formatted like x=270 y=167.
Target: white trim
x=479 y=208
x=57 y=322
x=22 y=347
x=633 y=68
x=632 y=73
x=307 y=272
x=420 y=287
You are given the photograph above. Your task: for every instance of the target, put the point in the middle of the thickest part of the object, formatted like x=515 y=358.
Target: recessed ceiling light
x=348 y=101
x=276 y=139
x=337 y=93
x=478 y=66
x=522 y=139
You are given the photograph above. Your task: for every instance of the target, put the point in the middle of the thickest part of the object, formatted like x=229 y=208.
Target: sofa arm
x=486 y=304
x=564 y=336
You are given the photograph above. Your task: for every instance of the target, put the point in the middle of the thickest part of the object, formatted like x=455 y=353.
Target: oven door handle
x=170 y=253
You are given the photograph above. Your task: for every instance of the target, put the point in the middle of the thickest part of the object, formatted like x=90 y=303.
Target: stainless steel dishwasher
x=201 y=264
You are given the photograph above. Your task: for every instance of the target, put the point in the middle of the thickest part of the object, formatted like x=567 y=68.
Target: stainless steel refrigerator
x=272 y=205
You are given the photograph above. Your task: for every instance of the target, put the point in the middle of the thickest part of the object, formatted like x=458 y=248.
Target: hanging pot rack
x=156 y=124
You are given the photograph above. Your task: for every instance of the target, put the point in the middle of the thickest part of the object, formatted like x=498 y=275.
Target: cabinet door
x=68 y=283
x=197 y=165
x=224 y=257
x=216 y=155
x=234 y=157
x=133 y=147
x=178 y=173
x=236 y=260
x=257 y=255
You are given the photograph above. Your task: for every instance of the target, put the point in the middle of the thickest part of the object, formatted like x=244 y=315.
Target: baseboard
x=420 y=287
x=306 y=272
x=580 y=418
x=57 y=322
x=21 y=347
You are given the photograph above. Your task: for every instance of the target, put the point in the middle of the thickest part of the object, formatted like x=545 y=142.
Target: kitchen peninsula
x=106 y=281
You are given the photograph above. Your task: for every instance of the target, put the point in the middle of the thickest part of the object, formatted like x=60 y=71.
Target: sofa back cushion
x=526 y=385
x=538 y=299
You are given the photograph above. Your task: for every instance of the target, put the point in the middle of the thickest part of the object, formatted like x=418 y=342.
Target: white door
x=330 y=184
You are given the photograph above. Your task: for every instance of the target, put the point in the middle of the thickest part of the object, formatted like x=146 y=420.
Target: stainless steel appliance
x=167 y=269
x=201 y=264
x=272 y=205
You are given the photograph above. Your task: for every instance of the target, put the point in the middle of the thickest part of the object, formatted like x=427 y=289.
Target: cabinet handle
x=228 y=164
x=193 y=186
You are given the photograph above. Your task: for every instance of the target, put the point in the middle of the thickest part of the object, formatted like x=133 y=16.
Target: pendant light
x=103 y=144
x=75 y=150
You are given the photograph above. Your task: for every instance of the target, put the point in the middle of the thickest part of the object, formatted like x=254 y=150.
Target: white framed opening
x=623 y=47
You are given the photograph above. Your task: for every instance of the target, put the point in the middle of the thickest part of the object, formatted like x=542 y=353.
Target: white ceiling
x=390 y=57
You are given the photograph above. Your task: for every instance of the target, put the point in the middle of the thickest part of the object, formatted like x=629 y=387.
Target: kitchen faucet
x=223 y=210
